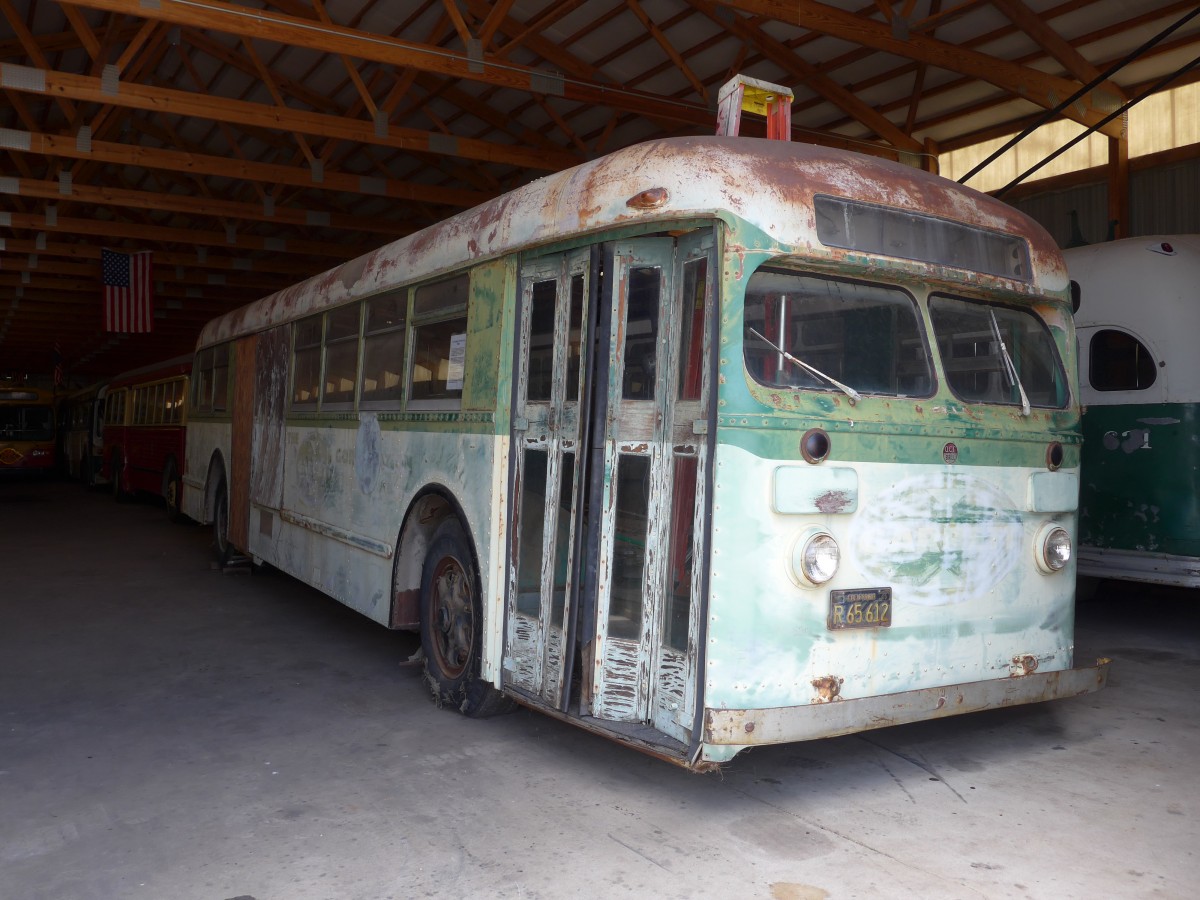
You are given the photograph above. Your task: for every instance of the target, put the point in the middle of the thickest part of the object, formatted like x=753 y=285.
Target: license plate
x=860 y=608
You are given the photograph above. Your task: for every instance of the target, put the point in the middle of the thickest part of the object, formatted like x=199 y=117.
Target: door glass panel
x=629 y=547
x=575 y=339
x=541 y=342
x=533 y=505
x=679 y=574
x=691 y=329
x=562 y=541
x=641 y=333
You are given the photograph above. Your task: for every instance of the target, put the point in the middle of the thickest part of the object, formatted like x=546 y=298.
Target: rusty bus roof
x=768 y=184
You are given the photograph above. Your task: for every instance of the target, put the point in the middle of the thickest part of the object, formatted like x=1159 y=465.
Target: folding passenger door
x=549 y=387
x=641 y=666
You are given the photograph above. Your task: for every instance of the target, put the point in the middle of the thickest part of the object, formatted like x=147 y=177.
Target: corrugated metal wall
x=1164 y=200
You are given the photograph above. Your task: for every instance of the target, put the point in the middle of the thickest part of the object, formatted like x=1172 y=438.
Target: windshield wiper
x=850 y=392
x=1011 y=370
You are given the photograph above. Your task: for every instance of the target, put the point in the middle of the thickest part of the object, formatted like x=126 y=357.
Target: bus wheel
x=452 y=627
x=119 y=495
x=221 y=527
x=172 y=491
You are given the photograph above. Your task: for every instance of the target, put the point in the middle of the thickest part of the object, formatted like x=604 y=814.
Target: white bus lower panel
x=1132 y=565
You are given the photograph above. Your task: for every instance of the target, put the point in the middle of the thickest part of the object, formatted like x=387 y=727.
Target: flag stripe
x=128 y=291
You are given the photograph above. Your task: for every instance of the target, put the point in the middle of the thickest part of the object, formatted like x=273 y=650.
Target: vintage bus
x=81 y=434
x=706 y=444
x=27 y=430
x=1139 y=313
x=145 y=425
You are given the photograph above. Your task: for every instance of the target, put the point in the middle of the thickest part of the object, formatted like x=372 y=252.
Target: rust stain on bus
x=1023 y=665
x=829 y=688
x=833 y=501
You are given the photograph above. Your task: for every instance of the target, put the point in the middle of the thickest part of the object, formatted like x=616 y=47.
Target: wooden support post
x=1118 y=187
x=930 y=161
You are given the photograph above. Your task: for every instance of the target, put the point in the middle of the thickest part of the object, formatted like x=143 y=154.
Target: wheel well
x=428 y=510
x=168 y=463
x=216 y=477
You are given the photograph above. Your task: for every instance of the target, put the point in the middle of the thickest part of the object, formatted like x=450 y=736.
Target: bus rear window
x=866 y=336
x=991 y=353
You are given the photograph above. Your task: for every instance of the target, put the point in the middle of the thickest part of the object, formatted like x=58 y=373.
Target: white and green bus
x=706 y=444
x=1140 y=386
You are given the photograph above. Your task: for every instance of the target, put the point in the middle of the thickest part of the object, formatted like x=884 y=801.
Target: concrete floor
x=167 y=731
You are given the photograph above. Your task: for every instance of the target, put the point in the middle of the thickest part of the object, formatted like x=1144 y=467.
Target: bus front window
x=972 y=338
x=865 y=336
x=27 y=423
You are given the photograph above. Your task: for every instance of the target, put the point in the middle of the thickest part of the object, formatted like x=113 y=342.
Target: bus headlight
x=815 y=558
x=1053 y=549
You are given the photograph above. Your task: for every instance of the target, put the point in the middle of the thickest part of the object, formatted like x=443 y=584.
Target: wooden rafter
x=139 y=96
x=266 y=173
x=263 y=25
x=273 y=263
x=657 y=33
x=1055 y=45
x=153 y=234
x=1029 y=84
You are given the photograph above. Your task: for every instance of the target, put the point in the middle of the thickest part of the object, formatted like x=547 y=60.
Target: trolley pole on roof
x=742 y=93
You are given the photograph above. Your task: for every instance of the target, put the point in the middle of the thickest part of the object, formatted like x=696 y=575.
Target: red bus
x=27 y=438
x=145 y=425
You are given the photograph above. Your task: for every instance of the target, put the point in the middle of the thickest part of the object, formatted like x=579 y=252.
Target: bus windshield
x=27 y=423
x=866 y=336
x=997 y=354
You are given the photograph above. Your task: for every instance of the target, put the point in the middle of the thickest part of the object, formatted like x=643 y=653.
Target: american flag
x=128 y=291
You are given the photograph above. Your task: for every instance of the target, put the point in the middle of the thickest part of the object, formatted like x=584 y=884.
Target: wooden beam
x=99 y=195
x=33 y=51
x=139 y=96
x=1056 y=46
x=86 y=37
x=680 y=63
x=1118 y=186
x=1029 y=84
x=152 y=235
x=260 y=24
x=493 y=20
x=267 y=173
x=260 y=284
x=288 y=269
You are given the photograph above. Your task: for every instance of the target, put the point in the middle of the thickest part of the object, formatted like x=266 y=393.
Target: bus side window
x=306 y=365
x=383 y=351
x=439 y=346
x=220 y=378
x=1119 y=362
x=439 y=350
x=341 y=357
x=202 y=398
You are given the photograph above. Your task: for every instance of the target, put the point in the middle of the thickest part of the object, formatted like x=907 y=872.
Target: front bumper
x=727 y=728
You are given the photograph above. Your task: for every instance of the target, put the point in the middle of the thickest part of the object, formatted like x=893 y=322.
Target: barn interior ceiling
x=251 y=144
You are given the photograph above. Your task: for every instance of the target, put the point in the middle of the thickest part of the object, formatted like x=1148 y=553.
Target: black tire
x=221 y=545
x=452 y=627
x=172 y=491
x=119 y=495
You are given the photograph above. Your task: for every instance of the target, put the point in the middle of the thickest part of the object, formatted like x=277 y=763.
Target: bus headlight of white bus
x=1052 y=551
x=815 y=558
